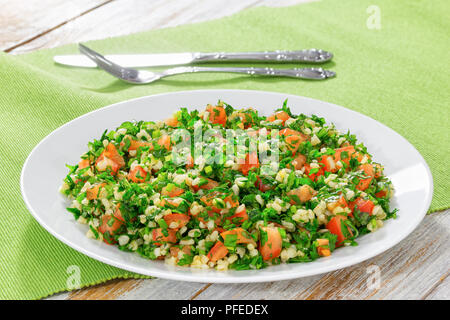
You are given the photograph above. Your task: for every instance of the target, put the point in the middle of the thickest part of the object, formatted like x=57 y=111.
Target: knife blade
x=128 y=60
x=169 y=59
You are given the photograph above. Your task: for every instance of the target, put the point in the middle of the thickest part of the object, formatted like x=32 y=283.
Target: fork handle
x=308 y=56
x=302 y=73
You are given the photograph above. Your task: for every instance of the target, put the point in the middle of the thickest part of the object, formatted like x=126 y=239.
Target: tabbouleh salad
x=234 y=212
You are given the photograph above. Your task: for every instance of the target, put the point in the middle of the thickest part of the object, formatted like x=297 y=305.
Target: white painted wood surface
x=111 y=18
x=23 y=21
x=417 y=268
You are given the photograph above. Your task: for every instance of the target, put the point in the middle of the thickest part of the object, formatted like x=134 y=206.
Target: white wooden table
x=417 y=268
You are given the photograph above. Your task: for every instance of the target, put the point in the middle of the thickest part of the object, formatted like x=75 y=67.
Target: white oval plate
x=45 y=169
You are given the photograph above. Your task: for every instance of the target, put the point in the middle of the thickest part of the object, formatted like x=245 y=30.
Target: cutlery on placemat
x=169 y=59
x=145 y=76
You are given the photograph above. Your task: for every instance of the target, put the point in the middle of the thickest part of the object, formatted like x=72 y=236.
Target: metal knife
x=168 y=59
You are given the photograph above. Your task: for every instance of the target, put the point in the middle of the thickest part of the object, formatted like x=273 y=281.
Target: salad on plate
x=229 y=188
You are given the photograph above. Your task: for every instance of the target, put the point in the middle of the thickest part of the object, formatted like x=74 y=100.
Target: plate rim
x=174 y=275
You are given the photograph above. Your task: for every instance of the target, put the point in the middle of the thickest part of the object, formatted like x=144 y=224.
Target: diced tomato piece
x=165 y=142
x=103 y=163
x=323 y=242
x=217 y=252
x=328 y=163
x=92 y=193
x=365 y=182
x=189 y=162
x=208 y=186
x=280 y=115
x=299 y=162
x=168 y=201
x=288 y=132
x=293 y=143
x=172 y=191
x=213 y=210
x=381 y=194
x=304 y=194
x=349 y=150
x=323 y=252
x=246 y=119
x=230 y=202
x=137 y=174
x=368 y=169
x=293 y=138
x=172 y=121
x=341 y=202
x=110 y=158
x=350 y=153
x=270 y=248
x=134 y=145
x=217 y=115
x=251 y=161
x=84 y=163
x=109 y=224
x=159 y=236
x=261 y=186
x=179 y=218
x=238 y=217
x=118 y=213
x=175 y=250
x=334 y=225
x=378 y=170
x=208 y=199
x=253 y=133
x=363 y=205
x=242 y=235
x=313 y=176
x=111 y=153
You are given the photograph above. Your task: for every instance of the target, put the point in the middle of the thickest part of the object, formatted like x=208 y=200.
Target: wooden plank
x=407 y=271
x=160 y=289
x=22 y=21
x=441 y=291
x=125 y=17
x=135 y=289
x=109 y=291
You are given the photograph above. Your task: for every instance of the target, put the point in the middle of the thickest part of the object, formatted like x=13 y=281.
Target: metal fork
x=144 y=76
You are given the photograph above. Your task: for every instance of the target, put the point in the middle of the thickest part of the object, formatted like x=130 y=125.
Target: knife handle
x=299 y=73
x=305 y=56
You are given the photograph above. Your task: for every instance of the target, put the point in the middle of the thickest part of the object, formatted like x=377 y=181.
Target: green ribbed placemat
x=396 y=75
